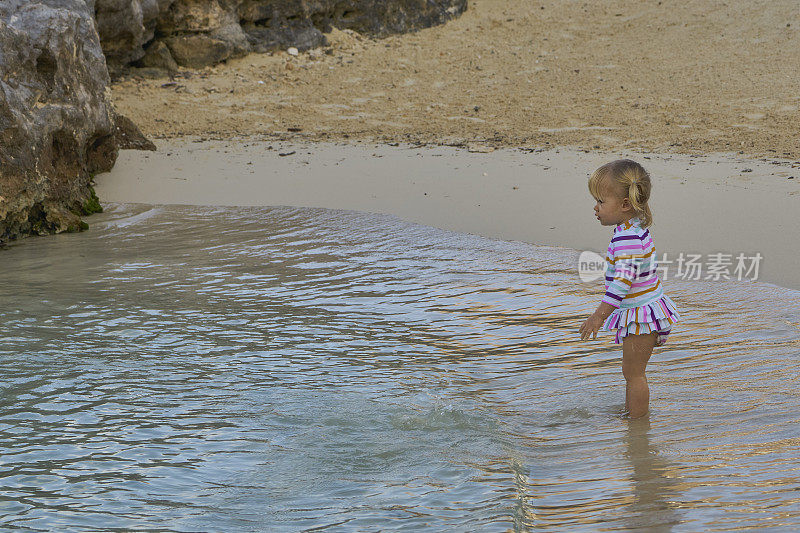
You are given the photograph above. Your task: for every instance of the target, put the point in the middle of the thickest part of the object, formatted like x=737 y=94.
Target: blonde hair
x=628 y=179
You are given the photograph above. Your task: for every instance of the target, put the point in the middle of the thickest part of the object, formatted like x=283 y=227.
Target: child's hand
x=591 y=327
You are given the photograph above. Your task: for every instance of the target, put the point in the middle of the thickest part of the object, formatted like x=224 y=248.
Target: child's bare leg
x=636 y=351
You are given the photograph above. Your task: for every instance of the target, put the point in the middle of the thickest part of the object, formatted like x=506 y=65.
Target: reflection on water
x=196 y=369
x=654 y=506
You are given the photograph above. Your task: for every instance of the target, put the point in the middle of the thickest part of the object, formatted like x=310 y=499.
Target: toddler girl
x=634 y=303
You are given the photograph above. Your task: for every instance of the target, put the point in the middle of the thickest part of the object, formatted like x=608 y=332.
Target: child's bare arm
x=594 y=322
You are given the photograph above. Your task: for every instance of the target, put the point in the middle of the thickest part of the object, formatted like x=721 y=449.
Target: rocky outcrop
x=57 y=125
x=128 y=136
x=194 y=33
x=56 y=122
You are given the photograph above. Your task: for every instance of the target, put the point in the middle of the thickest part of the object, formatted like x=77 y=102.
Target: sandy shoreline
x=690 y=91
x=540 y=197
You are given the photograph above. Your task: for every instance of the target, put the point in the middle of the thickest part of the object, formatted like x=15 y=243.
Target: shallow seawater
x=293 y=369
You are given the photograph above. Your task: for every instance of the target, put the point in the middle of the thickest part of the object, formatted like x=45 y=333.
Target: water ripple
x=259 y=369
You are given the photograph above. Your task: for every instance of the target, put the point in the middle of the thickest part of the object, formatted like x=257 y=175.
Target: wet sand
x=704 y=204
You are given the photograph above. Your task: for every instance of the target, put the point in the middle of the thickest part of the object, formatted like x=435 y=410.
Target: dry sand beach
x=698 y=76
x=705 y=95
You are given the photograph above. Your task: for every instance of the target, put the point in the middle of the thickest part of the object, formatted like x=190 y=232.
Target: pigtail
x=646 y=216
x=639 y=195
x=635 y=179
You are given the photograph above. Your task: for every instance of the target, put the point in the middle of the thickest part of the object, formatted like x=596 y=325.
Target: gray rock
x=158 y=56
x=303 y=35
x=126 y=27
x=123 y=31
x=198 y=50
x=197 y=16
x=203 y=32
x=228 y=28
x=129 y=136
x=234 y=35
x=273 y=24
x=56 y=123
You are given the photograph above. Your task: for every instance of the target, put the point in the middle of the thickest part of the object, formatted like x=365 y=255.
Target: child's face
x=610 y=209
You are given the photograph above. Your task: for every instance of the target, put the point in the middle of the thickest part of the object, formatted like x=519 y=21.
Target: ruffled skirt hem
x=656 y=316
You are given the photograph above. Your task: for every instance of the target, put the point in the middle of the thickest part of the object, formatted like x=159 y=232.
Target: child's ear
x=626 y=203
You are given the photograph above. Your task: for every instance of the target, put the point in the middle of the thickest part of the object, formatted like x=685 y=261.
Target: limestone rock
x=193 y=16
x=234 y=35
x=128 y=135
x=203 y=32
x=302 y=35
x=198 y=50
x=272 y=25
x=56 y=124
x=124 y=27
x=158 y=56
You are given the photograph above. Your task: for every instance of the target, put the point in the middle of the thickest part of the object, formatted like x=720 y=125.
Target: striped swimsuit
x=633 y=287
